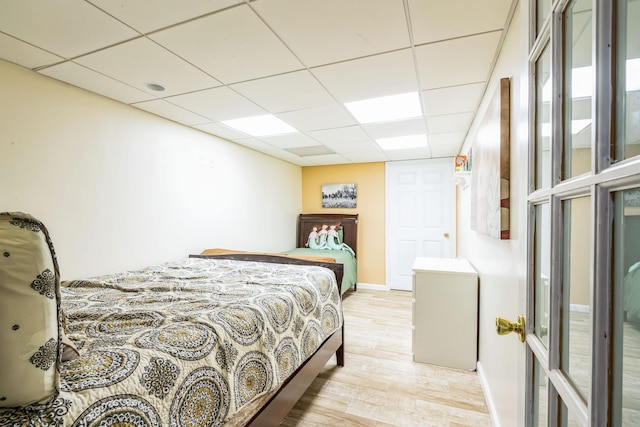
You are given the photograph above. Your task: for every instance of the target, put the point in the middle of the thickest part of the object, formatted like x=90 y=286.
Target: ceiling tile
x=220 y=103
x=449 y=122
x=149 y=15
x=451 y=139
x=322 y=32
x=444 y=151
x=397 y=128
x=21 y=53
x=64 y=27
x=316 y=150
x=456 y=99
x=286 y=92
x=352 y=147
x=366 y=157
x=232 y=45
x=254 y=144
x=330 y=116
x=458 y=61
x=221 y=130
x=371 y=77
x=328 y=159
x=285 y=155
x=290 y=141
x=141 y=61
x=90 y=80
x=170 y=111
x=340 y=135
x=440 y=20
x=417 y=153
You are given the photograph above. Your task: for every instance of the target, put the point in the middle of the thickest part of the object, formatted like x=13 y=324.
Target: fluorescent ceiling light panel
x=403 y=142
x=386 y=108
x=581 y=84
x=582 y=81
x=265 y=125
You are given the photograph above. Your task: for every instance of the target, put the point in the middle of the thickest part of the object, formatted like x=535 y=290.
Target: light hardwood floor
x=380 y=384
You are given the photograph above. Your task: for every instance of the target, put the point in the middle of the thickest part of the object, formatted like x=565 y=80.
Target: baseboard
x=487 y=395
x=371 y=286
x=580 y=308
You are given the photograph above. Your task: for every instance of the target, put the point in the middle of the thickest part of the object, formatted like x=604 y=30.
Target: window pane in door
x=578 y=88
x=540 y=394
x=543 y=119
x=626 y=329
x=576 y=301
x=566 y=418
x=542 y=271
x=629 y=78
x=543 y=7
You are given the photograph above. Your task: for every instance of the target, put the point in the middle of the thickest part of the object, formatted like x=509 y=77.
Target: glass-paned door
x=583 y=283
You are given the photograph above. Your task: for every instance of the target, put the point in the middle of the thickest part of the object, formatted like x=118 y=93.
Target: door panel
x=420 y=214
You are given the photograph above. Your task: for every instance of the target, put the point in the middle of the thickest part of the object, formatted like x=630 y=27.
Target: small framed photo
x=338 y=195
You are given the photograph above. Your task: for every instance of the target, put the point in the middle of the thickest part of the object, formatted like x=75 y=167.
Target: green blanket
x=342 y=257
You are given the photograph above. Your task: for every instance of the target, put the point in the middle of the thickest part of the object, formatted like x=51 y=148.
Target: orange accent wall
x=370 y=189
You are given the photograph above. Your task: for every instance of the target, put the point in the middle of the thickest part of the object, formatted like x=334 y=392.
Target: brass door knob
x=504 y=326
x=446 y=235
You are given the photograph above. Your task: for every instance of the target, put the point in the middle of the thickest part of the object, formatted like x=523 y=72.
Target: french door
x=583 y=284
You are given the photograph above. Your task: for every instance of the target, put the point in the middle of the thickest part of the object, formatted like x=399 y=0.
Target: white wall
x=502 y=264
x=120 y=188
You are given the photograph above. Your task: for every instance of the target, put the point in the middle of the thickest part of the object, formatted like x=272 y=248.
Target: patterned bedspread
x=186 y=343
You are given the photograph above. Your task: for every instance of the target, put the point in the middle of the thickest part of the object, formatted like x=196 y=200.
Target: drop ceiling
x=300 y=60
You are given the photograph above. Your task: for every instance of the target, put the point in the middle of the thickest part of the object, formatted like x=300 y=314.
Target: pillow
x=30 y=327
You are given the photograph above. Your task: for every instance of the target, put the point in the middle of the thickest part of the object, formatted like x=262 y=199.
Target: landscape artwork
x=338 y=195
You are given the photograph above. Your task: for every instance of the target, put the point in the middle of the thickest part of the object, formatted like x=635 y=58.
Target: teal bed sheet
x=345 y=258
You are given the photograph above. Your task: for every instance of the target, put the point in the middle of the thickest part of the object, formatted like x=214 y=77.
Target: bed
x=348 y=234
x=201 y=341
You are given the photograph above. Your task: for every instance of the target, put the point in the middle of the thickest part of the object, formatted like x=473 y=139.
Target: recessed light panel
x=264 y=125
x=386 y=108
x=403 y=142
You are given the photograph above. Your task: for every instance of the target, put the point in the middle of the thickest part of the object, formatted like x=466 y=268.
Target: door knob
x=504 y=326
x=446 y=235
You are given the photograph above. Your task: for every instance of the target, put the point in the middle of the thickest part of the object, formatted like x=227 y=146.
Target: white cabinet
x=445 y=312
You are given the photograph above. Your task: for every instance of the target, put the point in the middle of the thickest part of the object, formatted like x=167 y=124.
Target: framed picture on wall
x=338 y=195
x=490 y=194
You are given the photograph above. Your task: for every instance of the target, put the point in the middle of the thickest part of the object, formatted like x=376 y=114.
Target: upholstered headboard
x=348 y=222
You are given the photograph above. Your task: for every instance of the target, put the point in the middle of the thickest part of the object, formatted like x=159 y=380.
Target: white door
x=420 y=216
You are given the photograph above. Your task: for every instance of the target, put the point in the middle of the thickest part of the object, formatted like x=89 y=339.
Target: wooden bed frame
x=349 y=224
x=281 y=403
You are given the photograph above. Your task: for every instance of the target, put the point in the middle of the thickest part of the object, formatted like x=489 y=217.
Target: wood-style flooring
x=380 y=384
